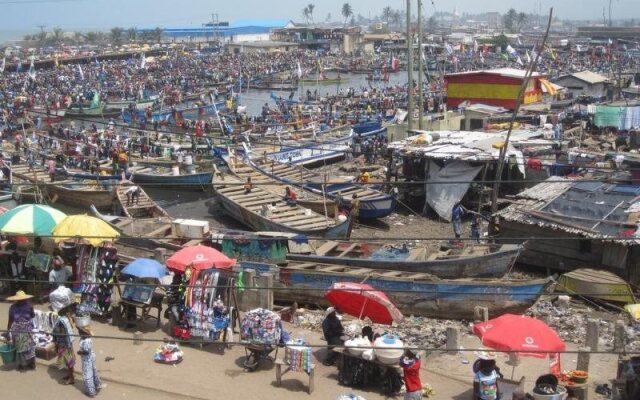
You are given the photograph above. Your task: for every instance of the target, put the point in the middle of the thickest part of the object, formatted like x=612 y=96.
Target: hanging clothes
x=105 y=280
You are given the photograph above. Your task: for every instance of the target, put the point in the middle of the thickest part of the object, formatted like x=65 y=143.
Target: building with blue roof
x=239 y=31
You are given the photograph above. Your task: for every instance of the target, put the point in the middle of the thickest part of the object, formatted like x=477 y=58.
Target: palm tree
x=157 y=34
x=132 y=34
x=57 y=35
x=347 y=11
x=116 y=35
x=310 y=8
x=305 y=14
x=91 y=37
x=521 y=20
x=78 y=37
x=396 y=17
x=387 y=13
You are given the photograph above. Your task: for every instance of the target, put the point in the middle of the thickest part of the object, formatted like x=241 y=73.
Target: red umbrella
x=525 y=335
x=199 y=257
x=362 y=300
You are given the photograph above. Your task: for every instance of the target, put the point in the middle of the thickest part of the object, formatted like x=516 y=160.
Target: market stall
x=202 y=300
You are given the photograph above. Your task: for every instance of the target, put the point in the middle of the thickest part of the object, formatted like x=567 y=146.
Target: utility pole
x=610 y=23
x=420 y=68
x=409 y=69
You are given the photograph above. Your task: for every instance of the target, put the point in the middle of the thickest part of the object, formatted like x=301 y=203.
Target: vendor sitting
x=290 y=197
x=60 y=273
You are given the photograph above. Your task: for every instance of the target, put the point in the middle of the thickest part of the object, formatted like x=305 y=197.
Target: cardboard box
x=189 y=228
x=46 y=353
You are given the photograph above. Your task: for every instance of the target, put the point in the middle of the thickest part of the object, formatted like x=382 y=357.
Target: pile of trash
x=570 y=322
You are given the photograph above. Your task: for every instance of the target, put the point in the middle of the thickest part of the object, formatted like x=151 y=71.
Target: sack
x=60 y=298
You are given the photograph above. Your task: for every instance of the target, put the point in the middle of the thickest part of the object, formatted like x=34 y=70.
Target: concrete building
x=584 y=83
x=347 y=39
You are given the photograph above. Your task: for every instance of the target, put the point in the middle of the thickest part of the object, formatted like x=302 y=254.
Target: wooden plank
x=158 y=231
x=348 y=250
x=316 y=222
x=326 y=248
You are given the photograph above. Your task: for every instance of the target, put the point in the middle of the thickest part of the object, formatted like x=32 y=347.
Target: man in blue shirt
x=456 y=219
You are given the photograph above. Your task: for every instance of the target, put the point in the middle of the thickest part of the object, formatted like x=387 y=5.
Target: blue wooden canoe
x=167 y=114
x=164 y=177
x=472 y=261
x=373 y=203
x=413 y=293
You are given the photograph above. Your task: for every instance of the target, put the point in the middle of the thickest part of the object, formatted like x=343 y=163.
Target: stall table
x=279 y=373
x=344 y=354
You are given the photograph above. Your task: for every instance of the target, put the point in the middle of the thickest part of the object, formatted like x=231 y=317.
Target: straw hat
x=20 y=295
x=486 y=355
x=86 y=329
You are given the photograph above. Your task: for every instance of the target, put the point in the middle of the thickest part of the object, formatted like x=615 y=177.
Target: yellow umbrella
x=87 y=229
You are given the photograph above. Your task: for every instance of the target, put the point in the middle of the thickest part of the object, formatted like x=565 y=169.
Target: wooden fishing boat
x=246 y=208
x=185 y=179
x=596 y=284
x=145 y=207
x=82 y=194
x=472 y=261
x=93 y=111
x=373 y=203
x=413 y=293
x=306 y=199
x=122 y=104
x=48 y=115
x=325 y=81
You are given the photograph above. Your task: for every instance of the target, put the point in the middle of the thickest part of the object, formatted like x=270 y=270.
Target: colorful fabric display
x=261 y=326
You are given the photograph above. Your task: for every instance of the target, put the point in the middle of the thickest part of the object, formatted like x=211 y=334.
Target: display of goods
x=388 y=349
x=261 y=326
x=168 y=353
x=357 y=346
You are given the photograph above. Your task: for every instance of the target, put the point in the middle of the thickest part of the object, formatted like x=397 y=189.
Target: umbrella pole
x=363 y=306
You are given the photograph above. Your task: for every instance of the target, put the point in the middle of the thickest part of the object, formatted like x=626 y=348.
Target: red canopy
x=199 y=257
x=525 y=335
x=362 y=300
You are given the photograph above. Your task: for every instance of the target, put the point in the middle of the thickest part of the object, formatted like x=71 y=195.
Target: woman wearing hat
x=20 y=315
x=63 y=337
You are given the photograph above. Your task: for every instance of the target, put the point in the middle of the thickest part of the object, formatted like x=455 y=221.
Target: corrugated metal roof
x=508 y=72
x=546 y=191
x=589 y=77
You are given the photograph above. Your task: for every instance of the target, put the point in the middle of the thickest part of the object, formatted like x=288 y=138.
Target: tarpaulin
x=441 y=193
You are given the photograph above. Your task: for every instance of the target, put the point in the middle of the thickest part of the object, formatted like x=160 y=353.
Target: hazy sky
x=101 y=14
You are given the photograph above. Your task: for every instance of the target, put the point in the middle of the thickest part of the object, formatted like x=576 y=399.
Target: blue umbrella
x=145 y=268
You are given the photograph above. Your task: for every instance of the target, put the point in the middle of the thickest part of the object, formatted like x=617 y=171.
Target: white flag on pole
x=80 y=72
x=299 y=70
x=32 y=70
x=528 y=56
x=143 y=61
x=475 y=46
x=4 y=60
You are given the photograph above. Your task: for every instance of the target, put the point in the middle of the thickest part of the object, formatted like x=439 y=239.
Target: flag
x=448 y=49
x=519 y=42
x=475 y=46
x=481 y=58
x=80 y=72
x=32 y=70
x=610 y=42
x=143 y=61
x=4 y=61
x=528 y=56
x=299 y=70
x=519 y=61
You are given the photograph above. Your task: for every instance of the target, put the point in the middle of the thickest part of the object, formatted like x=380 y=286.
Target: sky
x=25 y=15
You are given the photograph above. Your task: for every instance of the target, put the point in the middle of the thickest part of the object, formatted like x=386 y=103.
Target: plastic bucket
x=8 y=353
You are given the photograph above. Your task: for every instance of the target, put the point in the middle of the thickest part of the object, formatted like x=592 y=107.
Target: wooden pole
x=409 y=68
x=503 y=150
x=420 y=69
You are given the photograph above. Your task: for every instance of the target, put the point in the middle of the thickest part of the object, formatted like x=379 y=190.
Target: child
x=90 y=376
x=410 y=363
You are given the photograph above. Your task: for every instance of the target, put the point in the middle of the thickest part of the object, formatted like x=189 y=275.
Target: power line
x=323 y=346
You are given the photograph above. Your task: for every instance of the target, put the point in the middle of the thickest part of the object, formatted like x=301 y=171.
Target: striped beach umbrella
x=30 y=219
